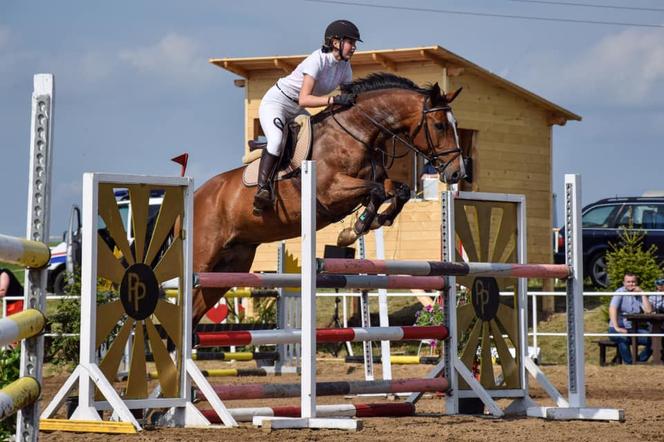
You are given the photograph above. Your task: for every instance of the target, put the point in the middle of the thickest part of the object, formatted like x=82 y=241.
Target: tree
x=630 y=256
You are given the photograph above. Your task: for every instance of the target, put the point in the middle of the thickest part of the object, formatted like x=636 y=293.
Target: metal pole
x=41 y=140
x=383 y=312
x=308 y=298
x=365 y=315
x=450 y=345
x=573 y=258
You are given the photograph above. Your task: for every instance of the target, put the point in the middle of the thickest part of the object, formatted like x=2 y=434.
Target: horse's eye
x=439 y=126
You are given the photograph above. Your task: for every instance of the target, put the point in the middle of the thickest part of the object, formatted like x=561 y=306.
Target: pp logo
x=139 y=291
x=485 y=298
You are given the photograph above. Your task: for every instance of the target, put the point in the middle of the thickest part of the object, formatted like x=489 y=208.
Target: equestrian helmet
x=342 y=29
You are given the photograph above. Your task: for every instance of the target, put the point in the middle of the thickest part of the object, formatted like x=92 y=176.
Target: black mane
x=381 y=80
x=373 y=82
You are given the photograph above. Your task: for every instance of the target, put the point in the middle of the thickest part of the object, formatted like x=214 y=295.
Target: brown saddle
x=297 y=148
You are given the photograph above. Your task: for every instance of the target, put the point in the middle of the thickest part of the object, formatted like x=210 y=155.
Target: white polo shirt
x=328 y=72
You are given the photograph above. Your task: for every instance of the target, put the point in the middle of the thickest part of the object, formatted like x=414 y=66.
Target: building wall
x=512 y=154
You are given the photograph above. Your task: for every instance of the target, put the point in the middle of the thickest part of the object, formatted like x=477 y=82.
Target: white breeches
x=276 y=105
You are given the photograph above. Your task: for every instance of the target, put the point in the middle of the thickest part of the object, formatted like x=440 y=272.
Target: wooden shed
x=505 y=129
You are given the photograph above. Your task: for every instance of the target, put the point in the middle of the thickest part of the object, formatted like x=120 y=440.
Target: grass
x=554 y=348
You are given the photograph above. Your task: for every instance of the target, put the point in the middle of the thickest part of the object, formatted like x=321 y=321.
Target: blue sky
x=134 y=86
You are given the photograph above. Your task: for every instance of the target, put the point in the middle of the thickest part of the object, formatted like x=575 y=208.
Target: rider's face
x=347 y=49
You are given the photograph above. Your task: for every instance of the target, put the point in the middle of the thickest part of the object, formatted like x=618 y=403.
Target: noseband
x=430 y=153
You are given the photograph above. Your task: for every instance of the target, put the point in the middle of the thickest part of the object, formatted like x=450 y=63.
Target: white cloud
x=174 y=58
x=95 y=66
x=626 y=68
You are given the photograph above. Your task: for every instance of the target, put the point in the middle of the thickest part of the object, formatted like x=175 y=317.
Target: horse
x=351 y=146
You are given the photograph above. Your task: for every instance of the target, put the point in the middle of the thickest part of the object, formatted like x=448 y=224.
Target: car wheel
x=597 y=271
x=59 y=283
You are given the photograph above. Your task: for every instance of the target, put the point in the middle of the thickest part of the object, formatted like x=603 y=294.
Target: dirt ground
x=639 y=390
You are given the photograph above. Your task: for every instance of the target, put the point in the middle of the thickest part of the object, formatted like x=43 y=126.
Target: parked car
x=602 y=222
x=71 y=244
x=66 y=255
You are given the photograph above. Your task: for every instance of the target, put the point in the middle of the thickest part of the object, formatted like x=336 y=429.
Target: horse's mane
x=374 y=82
x=382 y=80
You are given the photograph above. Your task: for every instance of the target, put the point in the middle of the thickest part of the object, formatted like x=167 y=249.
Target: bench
x=603 y=343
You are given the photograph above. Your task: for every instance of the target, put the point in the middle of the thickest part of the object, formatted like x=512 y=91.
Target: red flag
x=182 y=160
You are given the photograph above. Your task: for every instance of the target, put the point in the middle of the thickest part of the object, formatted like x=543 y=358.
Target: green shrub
x=631 y=256
x=64 y=350
x=10 y=366
x=66 y=319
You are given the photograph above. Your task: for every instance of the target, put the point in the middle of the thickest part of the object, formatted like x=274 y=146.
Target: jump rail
x=263 y=391
x=223 y=280
x=23 y=252
x=338 y=410
x=396 y=360
x=442 y=268
x=23 y=325
x=17 y=395
x=324 y=335
x=225 y=372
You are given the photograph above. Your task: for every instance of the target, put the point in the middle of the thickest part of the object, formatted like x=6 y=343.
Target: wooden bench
x=603 y=343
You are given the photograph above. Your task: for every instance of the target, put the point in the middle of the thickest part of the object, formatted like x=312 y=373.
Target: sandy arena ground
x=639 y=390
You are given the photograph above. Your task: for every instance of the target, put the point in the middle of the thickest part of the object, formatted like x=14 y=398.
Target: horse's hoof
x=346 y=237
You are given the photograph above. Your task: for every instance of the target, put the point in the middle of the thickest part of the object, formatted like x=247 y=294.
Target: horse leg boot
x=267 y=167
x=363 y=224
x=399 y=199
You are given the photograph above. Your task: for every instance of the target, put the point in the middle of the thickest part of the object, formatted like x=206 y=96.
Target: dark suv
x=602 y=222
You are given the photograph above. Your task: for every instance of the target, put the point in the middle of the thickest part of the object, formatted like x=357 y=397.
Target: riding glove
x=344 y=99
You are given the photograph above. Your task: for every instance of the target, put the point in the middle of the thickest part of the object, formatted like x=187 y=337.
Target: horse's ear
x=434 y=94
x=449 y=97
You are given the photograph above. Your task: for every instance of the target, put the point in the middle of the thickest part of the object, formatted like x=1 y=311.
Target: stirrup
x=262 y=201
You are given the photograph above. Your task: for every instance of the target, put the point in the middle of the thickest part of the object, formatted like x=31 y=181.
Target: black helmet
x=342 y=29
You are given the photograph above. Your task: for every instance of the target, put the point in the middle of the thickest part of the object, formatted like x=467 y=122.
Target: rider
x=316 y=76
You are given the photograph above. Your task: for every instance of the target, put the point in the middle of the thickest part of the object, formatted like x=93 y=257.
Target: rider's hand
x=621 y=330
x=344 y=99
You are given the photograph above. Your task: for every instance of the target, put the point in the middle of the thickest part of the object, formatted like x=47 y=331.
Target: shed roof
x=389 y=59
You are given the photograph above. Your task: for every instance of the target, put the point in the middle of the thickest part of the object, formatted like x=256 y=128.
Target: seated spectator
x=657 y=301
x=9 y=286
x=620 y=305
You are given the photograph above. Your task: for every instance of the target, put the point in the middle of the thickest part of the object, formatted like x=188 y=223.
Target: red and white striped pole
x=339 y=410
x=323 y=335
x=441 y=268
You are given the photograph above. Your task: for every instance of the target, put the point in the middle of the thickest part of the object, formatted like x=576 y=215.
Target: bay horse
x=352 y=148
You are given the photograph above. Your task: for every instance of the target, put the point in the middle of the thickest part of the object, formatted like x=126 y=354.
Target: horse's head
x=397 y=106
x=436 y=136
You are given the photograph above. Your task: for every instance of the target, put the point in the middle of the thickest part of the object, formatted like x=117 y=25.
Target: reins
x=431 y=155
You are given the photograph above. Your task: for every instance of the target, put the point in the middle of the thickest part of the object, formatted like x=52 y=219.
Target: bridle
x=430 y=154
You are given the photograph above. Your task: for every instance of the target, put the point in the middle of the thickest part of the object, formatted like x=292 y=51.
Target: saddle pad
x=302 y=148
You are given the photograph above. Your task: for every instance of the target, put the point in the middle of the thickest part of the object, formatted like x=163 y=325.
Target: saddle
x=297 y=148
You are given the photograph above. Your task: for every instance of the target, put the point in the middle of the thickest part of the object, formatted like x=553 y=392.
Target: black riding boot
x=266 y=170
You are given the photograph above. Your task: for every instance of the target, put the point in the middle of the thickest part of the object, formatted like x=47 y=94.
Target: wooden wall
x=512 y=154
